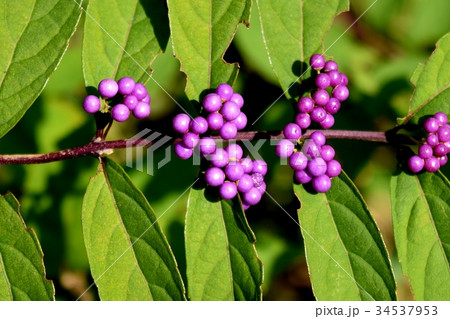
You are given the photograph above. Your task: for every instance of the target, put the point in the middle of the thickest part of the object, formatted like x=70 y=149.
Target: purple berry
x=415 y=163
x=302 y=176
x=238 y=99
x=225 y=91
x=228 y=131
x=322 y=80
x=126 y=85
x=142 y=110
x=262 y=187
x=198 y=125
x=305 y=104
x=333 y=105
x=108 y=88
x=431 y=125
x=234 y=171
x=190 y=140
x=443 y=160
x=240 y=121
x=317 y=61
x=245 y=206
x=131 y=101
x=140 y=91
x=432 y=164
x=303 y=120
x=247 y=164
x=259 y=166
x=341 y=92
x=91 y=104
x=181 y=123
x=328 y=122
x=333 y=168
x=292 y=131
x=331 y=66
x=207 y=145
x=344 y=79
x=182 y=151
x=120 y=112
x=215 y=121
x=228 y=190
x=335 y=78
x=219 y=158
x=432 y=140
x=234 y=151
x=298 y=161
x=212 y=102
x=146 y=99
x=252 y=197
x=441 y=118
x=245 y=183
x=321 y=97
x=317 y=166
x=230 y=111
x=318 y=114
x=425 y=151
x=214 y=176
x=440 y=150
x=311 y=149
x=258 y=179
x=321 y=184
x=327 y=153
x=443 y=133
x=284 y=148
x=318 y=138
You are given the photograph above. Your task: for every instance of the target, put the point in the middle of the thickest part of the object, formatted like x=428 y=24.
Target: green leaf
x=432 y=80
x=421 y=220
x=221 y=259
x=346 y=256
x=34 y=35
x=131 y=35
x=129 y=255
x=293 y=31
x=22 y=272
x=201 y=33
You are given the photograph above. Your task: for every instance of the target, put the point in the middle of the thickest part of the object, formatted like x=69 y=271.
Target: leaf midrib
x=8 y=284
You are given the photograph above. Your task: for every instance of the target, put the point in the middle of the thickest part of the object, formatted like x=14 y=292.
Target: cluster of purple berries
x=126 y=95
x=315 y=163
x=326 y=100
x=224 y=115
x=432 y=154
x=233 y=173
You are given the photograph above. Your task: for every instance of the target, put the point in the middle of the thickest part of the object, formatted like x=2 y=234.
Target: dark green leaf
x=421 y=220
x=346 y=256
x=122 y=38
x=221 y=259
x=129 y=255
x=22 y=272
x=201 y=32
x=34 y=35
x=432 y=81
x=293 y=31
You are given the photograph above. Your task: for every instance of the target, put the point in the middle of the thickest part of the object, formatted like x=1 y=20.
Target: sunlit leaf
x=22 y=272
x=421 y=220
x=34 y=35
x=346 y=256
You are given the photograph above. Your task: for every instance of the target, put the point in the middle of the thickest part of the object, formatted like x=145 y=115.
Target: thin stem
x=99 y=148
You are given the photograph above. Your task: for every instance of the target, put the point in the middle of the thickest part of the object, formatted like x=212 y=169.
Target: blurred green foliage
x=379 y=54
